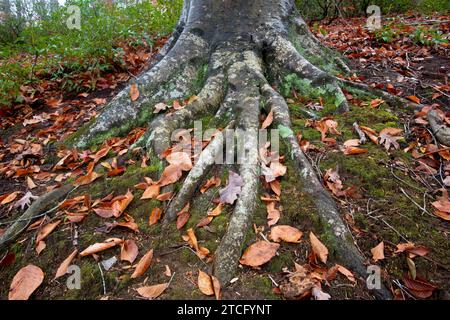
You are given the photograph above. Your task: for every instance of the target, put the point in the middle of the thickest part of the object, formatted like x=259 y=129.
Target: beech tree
x=232 y=55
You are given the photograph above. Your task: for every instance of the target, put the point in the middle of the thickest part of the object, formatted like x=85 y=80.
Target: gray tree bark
x=246 y=47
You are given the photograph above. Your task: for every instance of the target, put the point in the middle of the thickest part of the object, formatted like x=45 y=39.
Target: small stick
x=103 y=278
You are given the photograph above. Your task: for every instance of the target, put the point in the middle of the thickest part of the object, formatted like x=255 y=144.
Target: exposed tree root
x=35 y=210
x=345 y=250
x=439 y=128
x=234 y=89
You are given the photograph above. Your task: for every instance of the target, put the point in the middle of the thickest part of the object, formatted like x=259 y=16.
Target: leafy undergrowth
x=387 y=188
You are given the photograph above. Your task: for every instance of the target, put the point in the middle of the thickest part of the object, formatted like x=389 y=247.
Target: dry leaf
x=134 y=92
x=205 y=283
x=318 y=248
x=90 y=177
x=259 y=253
x=151 y=192
x=46 y=230
x=129 y=251
x=217 y=289
x=268 y=121
x=25 y=282
x=155 y=216
x=62 y=269
x=101 y=246
x=273 y=214
x=285 y=233
x=152 y=292
x=378 y=252
x=143 y=264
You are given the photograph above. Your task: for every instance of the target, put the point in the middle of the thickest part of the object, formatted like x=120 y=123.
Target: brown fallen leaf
x=143 y=264
x=268 y=121
x=101 y=246
x=212 y=182
x=378 y=252
x=414 y=99
x=318 y=247
x=129 y=251
x=205 y=284
x=9 y=198
x=134 y=92
x=62 y=269
x=273 y=214
x=420 y=288
x=259 y=253
x=191 y=239
x=155 y=216
x=151 y=192
x=40 y=246
x=46 y=230
x=285 y=233
x=216 y=287
x=87 y=179
x=183 y=217
x=152 y=292
x=25 y=282
x=30 y=183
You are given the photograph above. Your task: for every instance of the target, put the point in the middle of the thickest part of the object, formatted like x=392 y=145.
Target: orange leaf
x=273 y=214
x=151 y=192
x=155 y=216
x=10 y=198
x=216 y=286
x=134 y=92
x=46 y=230
x=101 y=246
x=62 y=269
x=90 y=177
x=152 y=292
x=318 y=247
x=268 y=121
x=143 y=264
x=259 y=253
x=414 y=99
x=378 y=252
x=129 y=251
x=25 y=282
x=285 y=233
x=205 y=284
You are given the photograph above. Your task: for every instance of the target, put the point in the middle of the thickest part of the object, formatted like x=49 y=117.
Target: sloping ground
x=386 y=196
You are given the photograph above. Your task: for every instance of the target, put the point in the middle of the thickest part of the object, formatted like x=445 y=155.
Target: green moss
x=283 y=260
x=263 y=286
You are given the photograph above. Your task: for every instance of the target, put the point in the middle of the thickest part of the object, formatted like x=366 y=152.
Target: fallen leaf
x=134 y=92
x=143 y=264
x=216 y=287
x=318 y=247
x=318 y=294
x=10 y=198
x=151 y=192
x=155 y=216
x=212 y=182
x=30 y=183
x=414 y=99
x=268 y=121
x=420 y=288
x=273 y=214
x=25 y=282
x=259 y=253
x=62 y=269
x=171 y=174
x=285 y=233
x=205 y=284
x=378 y=252
x=25 y=201
x=152 y=292
x=129 y=251
x=389 y=137
x=183 y=217
x=101 y=246
x=46 y=230
x=87 y=179
x=232 y=190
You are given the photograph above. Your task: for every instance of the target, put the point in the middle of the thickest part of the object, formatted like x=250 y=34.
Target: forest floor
x=392 y=197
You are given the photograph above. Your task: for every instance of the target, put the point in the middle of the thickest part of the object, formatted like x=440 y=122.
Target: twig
x=103 y=278
x=424 y=210
x=273 y=281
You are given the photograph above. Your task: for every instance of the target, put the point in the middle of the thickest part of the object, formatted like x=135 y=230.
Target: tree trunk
x=247 y=48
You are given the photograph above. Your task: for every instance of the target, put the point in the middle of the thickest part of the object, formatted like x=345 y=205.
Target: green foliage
x=43 y=47
x=428 y=37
